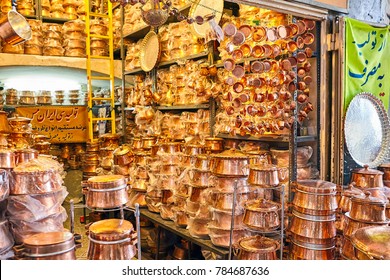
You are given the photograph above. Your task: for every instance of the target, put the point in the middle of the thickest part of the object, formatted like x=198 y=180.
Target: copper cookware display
x=263 y=176
x=367 y=178
x=262 y=215
x=256 y=248
x=48 y=246
x=371 y=243
x=111 y=239
x=106 y=191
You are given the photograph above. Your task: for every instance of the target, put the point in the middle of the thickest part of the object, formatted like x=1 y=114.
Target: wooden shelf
x=170 y=226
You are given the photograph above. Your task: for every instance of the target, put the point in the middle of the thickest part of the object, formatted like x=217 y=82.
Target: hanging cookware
x=111 y=239
x=14 y=28
x=47 y=246
x=372 y=243
x=256 y=248
x=262 y=215
x=367 y=178
x=106 y=191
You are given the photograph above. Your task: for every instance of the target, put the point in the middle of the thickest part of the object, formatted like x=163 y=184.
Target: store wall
x=370 y=10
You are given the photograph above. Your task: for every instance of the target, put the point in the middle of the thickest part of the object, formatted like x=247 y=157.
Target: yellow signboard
x=62 y=124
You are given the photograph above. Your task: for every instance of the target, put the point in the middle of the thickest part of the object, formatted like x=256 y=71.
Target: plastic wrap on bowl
x=198 y=227
x=221 y=237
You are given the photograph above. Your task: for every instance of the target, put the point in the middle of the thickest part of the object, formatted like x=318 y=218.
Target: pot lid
x=232 y=153
x=262 y=205
x=367 y=171
x=110 y=136
x=316 y=186
x=351 y=192
x=374 y=241
x=258 y=244
x=369 y=199
x=111 y=227
x=122 y=151
x=48 y=238
x=107 y=181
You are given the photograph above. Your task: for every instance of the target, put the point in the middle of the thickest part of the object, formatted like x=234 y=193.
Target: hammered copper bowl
x=315 y=197
x=230 y=163
x=47 y=246
x=111 y=239
x=106 y=191
x=256 y=248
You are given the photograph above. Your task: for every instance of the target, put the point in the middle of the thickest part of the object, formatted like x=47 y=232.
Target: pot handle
x=236 y=250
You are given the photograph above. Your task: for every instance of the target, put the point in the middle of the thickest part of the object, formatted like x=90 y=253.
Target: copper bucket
x=111 y=239
x=14 y=28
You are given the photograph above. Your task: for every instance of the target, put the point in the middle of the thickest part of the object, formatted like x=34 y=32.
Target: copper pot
x=221 y=237
x=140 y=185
x=281 y=157
x=123 y=156
x=25 y=155
x=321 y=228
x=169 y=169
x=263 y=175
x=35 y=182
x=198 y=193
x=230 y=163
x=141 y=172
x=307 y=251
x=261 y=157
x=385 y=168
x=20 y=124
x=227 y=184
x=141 y=158
x=91 y=157
x=202 y=162
x=368 y=208
x=109 y=141
x=345 y=201
x=90 y=168
x=224 y=200
x=367 y=178
x=137 y=143
x=262 y=215
x=7 y=159
x=372 y=243
x=199 y=177
x=106 y=191
x=167 y=182
x=174 y=159
x=223 y=219
x=256 y=248
x=111 y=239
x=193 y=150
x=148 y=142
x=315 y=197
x=47 y=246
x=171 y=147
x=213 y=144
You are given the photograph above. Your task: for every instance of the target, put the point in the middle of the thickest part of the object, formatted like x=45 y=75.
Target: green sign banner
x=367 y=61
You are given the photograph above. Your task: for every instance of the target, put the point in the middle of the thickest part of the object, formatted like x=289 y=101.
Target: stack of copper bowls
x=73 y=33
x=365 y=211
x=230 y=174
x=312 y=228
x=106 y=191
x=52 y=39
x=44 y=97
x=214 y=145
x=35 y=44
x=11 y=96
x=99 y=47
x=6 y=238
x=112 y=239
x=21 y=132
x=36 y=197
x=56 y=9
x=90 y=161
x=27 y=97
x=42 y=144
x=70 y=7
x=45 y=6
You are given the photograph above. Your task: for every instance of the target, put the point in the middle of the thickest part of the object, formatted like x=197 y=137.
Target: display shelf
x=269 y=138
x=183 y=107
x=170 y=226
x=54 y=20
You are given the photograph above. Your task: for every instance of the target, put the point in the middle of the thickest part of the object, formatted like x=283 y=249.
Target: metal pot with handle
x=14 y=28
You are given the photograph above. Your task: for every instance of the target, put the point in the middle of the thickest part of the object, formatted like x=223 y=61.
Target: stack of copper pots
x=230 y=171
x=108 y=143
x=312 y=228
x=111 y=239
x=99 y=47
x=6 y=238
x=52 y=39
x=214 y=145
x=42 y=144
x=90 y=161
x=35 y=44
x=36 y=197
x=21 y=132
x=365 y=211
x=123 y=157
x=11 y=96
x=73 y=33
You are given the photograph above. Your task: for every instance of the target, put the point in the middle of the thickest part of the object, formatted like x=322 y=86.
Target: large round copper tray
x=150 y=51
x=203 y=8
x=367 y=130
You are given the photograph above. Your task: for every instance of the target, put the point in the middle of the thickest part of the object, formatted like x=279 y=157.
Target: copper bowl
x=256 y=248
x=47 y=246
x=106 y=191
x=111 y=239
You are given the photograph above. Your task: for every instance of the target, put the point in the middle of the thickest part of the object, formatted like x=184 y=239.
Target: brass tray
x=367 y=130
x=203 y=8
x=150 y=51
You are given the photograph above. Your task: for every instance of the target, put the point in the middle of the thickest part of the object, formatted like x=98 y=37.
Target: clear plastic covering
x=4 y=184
x=221 y=237
x=31 y=208
x=6 y=238
x=198 y=227
x=22 y=229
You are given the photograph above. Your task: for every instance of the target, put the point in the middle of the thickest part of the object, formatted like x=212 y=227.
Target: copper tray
x=150 y=51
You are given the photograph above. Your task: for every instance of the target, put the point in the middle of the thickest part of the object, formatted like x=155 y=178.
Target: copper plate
x=247 y=30
x=238 y=71
x=203 y=8
x=229 y=29
x=150 y=51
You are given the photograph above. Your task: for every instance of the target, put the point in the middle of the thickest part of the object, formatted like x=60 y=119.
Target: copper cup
x=307 y=79
x=307 y=66
x=238 y=38
x=291 y=87
x=237 y=55
x=238 y=87
x=267 y=65
x=257 y=82
x=259 y=34
x=246 y=30
x=229 y=64
x=310 y=24
x=301 y=27
x=230 y=81
x=293 y=61
x=286 y=65
x=229 y=110
x=301 y=57
x=301 y=72
x=237 y=102
x=308 y=38
x=276 y=50
x=258 y=97
x=302 y=98
x=294 y=29
x=258 y=51
x=257 y=66
x=244 y=97
x=238 y=71
x=301 y=85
